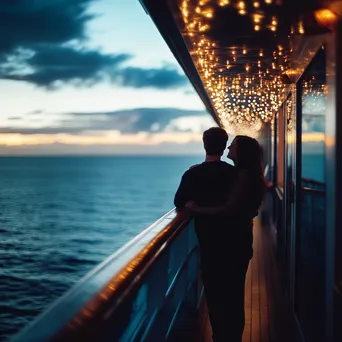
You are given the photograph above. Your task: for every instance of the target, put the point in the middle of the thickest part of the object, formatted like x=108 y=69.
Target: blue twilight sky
x=92 y=76
x=95 y=76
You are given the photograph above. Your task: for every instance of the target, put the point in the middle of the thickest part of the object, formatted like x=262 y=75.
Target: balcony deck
x=267 y=316
x=142 y=302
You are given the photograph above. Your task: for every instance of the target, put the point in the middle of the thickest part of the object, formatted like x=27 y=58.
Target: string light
x=243 y=101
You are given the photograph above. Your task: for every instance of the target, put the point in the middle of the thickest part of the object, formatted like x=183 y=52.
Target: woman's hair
x=249 y=156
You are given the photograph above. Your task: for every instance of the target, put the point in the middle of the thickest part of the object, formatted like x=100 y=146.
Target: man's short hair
x=215 y=141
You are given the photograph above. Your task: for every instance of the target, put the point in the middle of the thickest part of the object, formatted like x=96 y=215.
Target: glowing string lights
x=249 y=97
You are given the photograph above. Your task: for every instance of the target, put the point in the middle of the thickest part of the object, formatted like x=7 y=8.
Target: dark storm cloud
x=163 y=78
x=54 y=64
x=132 y=121
x=33 y=48
x=28 y=24
x=31 y=38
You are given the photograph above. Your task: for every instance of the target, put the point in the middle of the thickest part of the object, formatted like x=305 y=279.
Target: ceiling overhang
x=236 y=53
x=164 y=19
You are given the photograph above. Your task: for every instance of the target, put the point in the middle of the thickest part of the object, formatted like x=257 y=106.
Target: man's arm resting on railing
x=184 y=192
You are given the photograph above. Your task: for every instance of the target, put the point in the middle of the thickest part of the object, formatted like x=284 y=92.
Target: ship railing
x=149 y=290
x=312 y=205
x=308 y=183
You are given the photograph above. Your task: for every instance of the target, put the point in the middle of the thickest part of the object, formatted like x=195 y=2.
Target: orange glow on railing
x=123 y=281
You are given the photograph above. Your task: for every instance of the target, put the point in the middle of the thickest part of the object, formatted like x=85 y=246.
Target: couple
x=224 y=199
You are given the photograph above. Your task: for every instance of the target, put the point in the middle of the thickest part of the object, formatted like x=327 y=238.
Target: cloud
x=36 y=112
x=138 y=119
x=52 y=65
x=31 y=42
x=128 y=121
x=50 y=51
x=28 y=24
x=163 y=78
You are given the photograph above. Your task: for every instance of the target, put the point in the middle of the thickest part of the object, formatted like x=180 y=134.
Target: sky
x=92 y=77
x=96 y=77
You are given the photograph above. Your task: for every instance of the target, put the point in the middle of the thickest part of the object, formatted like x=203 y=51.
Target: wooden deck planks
x=248 y=306
x=255 y=334
x=270 y=282
x=264 y=297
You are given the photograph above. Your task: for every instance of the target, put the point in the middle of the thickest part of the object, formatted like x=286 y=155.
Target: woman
x=235 y=251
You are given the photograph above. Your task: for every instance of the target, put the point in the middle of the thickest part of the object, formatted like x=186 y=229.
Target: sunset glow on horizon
x=108 y=79
x=102 y=76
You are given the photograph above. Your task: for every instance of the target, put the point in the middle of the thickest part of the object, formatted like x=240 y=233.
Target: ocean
x=61 y=216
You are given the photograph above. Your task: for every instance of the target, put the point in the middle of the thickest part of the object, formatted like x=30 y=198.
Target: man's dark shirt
x=210 y=184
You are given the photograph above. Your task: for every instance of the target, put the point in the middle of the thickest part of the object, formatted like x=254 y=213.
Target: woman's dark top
x=242 y=206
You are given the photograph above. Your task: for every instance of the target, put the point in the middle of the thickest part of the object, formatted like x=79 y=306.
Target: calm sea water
x=60 y=216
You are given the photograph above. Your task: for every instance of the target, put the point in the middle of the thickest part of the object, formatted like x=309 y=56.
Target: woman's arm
x=236 y=198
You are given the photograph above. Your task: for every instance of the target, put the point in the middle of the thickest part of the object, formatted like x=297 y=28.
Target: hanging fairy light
x=242 y=101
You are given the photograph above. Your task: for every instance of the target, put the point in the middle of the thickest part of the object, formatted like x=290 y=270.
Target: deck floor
x=265 y=309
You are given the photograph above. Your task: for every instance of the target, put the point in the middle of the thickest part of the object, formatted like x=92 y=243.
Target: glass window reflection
x=281 y=148
x=313 y=124
x=310 y=237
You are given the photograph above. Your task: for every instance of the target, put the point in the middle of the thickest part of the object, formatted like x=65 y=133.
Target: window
x=310 y=236
x=272 y=149
x=280 y=148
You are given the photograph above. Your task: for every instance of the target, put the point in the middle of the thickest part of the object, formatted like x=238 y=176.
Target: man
x=223 y=264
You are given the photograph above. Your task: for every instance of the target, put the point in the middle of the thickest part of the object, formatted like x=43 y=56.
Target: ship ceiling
x=241 y=51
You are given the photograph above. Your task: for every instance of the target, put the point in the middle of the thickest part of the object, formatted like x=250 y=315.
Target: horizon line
x=102 y=155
